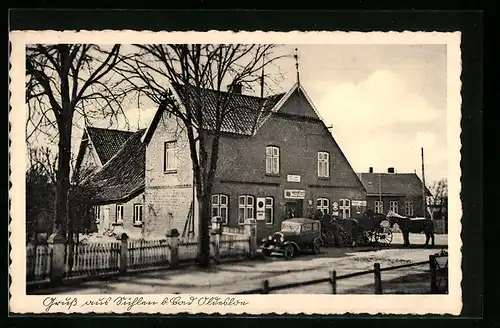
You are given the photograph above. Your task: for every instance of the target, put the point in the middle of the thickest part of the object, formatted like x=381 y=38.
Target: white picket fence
x=38 y=262
x=94 y=259
x=147 y=253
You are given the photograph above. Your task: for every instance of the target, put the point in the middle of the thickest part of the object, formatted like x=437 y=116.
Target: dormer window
x=272 y=160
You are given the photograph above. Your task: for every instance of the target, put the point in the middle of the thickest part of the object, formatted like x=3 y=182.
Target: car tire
x=289 y=252
x=317 y=247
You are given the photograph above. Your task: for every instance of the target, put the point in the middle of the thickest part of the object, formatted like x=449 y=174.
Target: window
x=245 y=208
x=323 y=164
x=379 y=206
x=169 y=159
x=269 y=210
x=97 y=214
x=137 y=214
x=306 y=228
x=323 y=204
x=409 y=208
x=220 y=207
x=345 y=208
x=272 y=160
x=393 y=206
x=119 y=214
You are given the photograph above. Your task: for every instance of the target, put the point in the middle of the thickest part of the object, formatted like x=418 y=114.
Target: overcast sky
x=384 y=102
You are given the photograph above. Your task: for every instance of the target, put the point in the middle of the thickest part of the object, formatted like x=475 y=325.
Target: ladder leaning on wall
x=188 y=230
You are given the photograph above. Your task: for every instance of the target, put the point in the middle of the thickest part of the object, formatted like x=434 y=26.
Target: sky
x=384 y=102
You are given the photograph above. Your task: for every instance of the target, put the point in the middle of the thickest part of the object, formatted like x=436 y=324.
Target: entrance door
x=294 y=209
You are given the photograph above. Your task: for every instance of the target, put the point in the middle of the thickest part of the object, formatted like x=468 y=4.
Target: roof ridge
x=108 y=129
x=238 y=94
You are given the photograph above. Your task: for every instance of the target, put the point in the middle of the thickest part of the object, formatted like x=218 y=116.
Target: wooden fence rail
x=333 y=278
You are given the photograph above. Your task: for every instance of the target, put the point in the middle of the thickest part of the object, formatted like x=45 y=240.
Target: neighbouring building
x=277 y=159
x=397 y=192
x=115 y=187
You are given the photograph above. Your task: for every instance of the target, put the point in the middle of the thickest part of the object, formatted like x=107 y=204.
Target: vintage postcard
x=235 y=173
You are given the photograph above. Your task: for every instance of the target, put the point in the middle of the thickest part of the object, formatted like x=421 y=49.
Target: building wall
x=417 y=204
x=168 y=195
x=242 y=169
x=108 y=216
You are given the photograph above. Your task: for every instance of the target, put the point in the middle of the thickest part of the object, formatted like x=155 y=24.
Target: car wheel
x=317 y=247
x=289 y=252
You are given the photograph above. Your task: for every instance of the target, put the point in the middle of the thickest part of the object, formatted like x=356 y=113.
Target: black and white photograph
x=199 y=172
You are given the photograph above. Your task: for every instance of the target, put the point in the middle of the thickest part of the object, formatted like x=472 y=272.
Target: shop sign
x=335 y=207
x=358 y=203
x=293 y=178
x=295 y=194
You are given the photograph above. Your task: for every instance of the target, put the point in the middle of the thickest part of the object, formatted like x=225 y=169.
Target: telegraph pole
x=423 y=183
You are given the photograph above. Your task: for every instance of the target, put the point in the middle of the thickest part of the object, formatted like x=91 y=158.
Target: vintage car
x=296 y=235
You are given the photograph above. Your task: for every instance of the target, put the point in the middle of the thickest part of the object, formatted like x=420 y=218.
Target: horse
x=412 y=225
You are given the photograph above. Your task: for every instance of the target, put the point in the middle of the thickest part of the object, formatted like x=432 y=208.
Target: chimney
x=370 y=169
x=390 y=170
x=235 y=88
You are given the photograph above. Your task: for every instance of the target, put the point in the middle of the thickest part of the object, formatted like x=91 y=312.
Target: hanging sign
x=295 y=194
x=335 y=206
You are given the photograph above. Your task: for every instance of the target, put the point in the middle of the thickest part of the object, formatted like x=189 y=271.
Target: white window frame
x=323 y=204
x=345 y=208
x=218 y=206
x=379 y=205
x=323 y=164
x=169 y=156
x=119 y=214
x=394 y=206
x=138 y=214
x=269 y=205
x=96 y=210
x=409 y=209
x=247 y=204
x=272 y=160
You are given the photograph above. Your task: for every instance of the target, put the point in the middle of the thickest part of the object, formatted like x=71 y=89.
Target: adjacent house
x=397 y=192
x=115 y=187
x=277 y=159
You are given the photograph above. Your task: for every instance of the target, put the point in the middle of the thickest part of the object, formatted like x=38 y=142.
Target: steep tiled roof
x=396 y=184
x=244 y=111
x=122 y=176
x=107 y=142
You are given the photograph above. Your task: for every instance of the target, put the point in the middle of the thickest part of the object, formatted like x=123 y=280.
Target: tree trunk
x=203 y=231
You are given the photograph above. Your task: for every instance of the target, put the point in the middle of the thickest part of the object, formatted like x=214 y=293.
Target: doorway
x=294 y=209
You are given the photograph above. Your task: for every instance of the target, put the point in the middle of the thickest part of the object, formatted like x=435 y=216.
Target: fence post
x=57 y=246
x=333 y=281
x=216 y=233
x=173 y=238
x=123 y=252
x=251 y=233
x=432 y=269
x=378 y=278
x=265 y=287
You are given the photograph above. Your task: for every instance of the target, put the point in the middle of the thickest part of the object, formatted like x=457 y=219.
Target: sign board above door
x=292 y=178
x=358 y=203
x=295 y=194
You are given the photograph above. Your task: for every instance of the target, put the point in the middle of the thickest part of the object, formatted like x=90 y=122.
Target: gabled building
x=97 y=147
x=397 y=192
x=277 y=159
x=115 y=188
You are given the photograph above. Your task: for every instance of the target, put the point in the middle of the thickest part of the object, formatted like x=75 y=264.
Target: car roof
x=300 y=220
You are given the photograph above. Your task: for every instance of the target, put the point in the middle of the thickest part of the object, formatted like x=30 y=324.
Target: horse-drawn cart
x=365 y=231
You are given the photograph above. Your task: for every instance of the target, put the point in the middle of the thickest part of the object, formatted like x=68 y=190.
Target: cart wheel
x=289 y=252
x=384 y=237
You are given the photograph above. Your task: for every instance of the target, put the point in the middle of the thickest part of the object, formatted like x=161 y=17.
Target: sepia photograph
x=169 y=175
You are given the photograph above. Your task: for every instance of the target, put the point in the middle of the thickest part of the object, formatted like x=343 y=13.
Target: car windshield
x=290 y=226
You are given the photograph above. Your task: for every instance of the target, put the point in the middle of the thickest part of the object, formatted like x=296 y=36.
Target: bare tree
x=438 y=201
x=153 y=68
x=66 y=82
